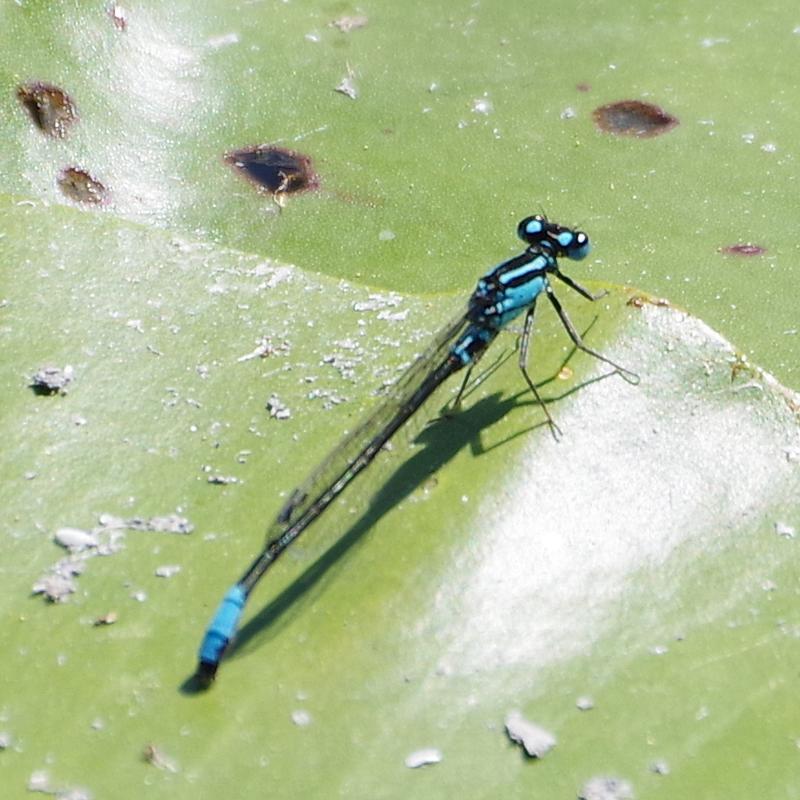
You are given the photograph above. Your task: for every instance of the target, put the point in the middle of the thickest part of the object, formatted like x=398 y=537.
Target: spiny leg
x=524 y=343
x=581 y=290
x=629 y=376
x=456 y=404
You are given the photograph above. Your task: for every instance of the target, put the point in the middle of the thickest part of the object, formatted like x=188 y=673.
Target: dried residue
x=58 y=581
x=349 y=23
x=602 y=788
x=52 y=380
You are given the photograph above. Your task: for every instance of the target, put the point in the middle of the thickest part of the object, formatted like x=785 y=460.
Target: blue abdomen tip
x=223 y=625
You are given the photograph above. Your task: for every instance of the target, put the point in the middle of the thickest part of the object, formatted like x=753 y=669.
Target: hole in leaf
x=51 y=108
x=277 y=169
x=633 y=118
x=80 y=186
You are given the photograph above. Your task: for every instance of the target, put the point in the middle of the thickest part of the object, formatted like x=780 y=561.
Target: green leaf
x=489 y=568
x=647 y=561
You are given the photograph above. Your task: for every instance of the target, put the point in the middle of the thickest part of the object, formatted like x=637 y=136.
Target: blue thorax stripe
x=520 y=269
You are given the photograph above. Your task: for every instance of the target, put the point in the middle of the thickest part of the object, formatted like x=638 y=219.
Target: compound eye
x=580 y=246
x=532 y=229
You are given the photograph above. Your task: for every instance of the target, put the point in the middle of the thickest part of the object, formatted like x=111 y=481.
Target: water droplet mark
x=78 y=185
x=277 y=169
x=633 y=118
x=50 y=107
x=745 y=249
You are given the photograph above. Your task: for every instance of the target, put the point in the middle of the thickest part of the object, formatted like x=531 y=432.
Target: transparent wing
x=344 y=458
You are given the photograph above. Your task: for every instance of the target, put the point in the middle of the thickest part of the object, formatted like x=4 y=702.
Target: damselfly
x=504 y=293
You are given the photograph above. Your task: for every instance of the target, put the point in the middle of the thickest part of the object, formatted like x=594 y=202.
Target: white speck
x=482 y=105
x=262 y=350
x=6 y=740
x=277 y=410
x=377 y=302
x=312 y=37
x=792 y=454
x=536 y=740
x=347 y=86
x=349 y=23
x=393 y=316
x=167 y=570
x=702 y=713
x=569 y=113
x=769 y=147
x=222 y=480
x=584 y=703
x=386 y=236
x=98 y=724
x=139 y=597
x=276 y=275
x=748 y=138
x=423 y=757
x=223 y=40
x=433 y=87
x=153 y=755
x=602 y=788
x=39 y=781
x=659 y=650
x=301 y=718
x=660 y=767
x=784 y=530
x=712 y=41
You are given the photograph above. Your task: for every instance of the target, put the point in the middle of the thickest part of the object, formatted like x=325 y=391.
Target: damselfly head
x=538 y=231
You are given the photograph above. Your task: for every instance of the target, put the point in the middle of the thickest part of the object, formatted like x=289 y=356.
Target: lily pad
x=647 y=561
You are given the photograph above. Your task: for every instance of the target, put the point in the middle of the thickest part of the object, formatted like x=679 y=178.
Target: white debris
x=423 y=757
x=75 y=539
x=536 y=741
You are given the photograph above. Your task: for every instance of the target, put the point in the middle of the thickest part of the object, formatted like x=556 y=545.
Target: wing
x=391 y=412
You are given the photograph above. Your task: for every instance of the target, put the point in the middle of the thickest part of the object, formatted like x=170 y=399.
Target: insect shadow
x=441 y=441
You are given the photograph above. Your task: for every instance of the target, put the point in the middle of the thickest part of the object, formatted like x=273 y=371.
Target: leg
x=457 y=402
x=629 y=376
x=581 y=290
x=524 y=343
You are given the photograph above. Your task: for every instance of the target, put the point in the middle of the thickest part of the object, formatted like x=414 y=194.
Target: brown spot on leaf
x=633 y=118
x=276 y=169
x=743 y=249
x=50 y=107
x=78 y=185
